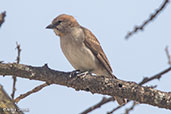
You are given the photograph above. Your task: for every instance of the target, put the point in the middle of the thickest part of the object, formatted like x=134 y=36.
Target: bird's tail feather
x=121 y=101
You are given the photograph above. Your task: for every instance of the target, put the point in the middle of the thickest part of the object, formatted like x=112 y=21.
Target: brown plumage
x=81 y=47
x=93 y=44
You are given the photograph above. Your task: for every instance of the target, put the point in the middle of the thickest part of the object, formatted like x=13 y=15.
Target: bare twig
x=151 y=18
x=98 y=105
x=18 y=52
x=13 y=87
x=14 y=78
x=131 y=108
x=118 y=107
x=145 y=80
x=168 y=55
x=2 y=17
x=36 y=89
x=157 y=76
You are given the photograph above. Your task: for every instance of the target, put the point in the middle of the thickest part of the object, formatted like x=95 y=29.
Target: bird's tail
x=121 y=101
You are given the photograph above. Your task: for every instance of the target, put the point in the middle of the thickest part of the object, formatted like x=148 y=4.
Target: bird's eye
x=58 y=22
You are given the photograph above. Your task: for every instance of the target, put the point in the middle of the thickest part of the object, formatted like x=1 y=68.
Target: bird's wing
x=93 y=44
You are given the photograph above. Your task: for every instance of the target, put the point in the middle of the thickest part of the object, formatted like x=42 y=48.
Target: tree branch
x=168 y=55
x=94 y=84
x=14 y=78
x=131 y=108
x=145 y=80
x=7 y=106
x=36 y=89
x=98 y=105
x=151 y=18
x=157 y=76
x=2 y=17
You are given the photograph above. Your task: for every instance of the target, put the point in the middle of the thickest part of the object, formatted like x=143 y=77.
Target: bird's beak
x=51 y=26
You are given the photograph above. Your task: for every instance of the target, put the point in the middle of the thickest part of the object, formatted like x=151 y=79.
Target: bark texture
x=7 y=106
x=94 y=84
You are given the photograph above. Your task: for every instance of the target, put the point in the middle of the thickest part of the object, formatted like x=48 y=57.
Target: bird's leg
x=79 y=73
x=84 y=73
x=74 y=73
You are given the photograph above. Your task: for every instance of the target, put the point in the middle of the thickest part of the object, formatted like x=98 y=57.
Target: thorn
x=45 y=66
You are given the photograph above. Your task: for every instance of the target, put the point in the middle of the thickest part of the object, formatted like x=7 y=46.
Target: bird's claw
x=78 y=73
x=74 y=73
x=84 y=73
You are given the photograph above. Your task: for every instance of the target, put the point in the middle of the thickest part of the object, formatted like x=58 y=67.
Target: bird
x=81 y=48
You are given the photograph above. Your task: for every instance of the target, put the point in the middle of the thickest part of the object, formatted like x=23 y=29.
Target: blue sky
x=142 y=55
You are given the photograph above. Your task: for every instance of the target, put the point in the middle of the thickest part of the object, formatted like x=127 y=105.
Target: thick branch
x=94 y=84
x=145 y=80
x=7 y=106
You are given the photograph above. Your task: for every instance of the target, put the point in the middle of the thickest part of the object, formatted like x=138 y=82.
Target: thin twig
x=18 y=52
x=13 y=87
x=118 y=107
x=36 y=89
x=145 y=80
x=168 y=55
x=14 y=78
x=2 y=17
x=151 y=18
x=157 y=76
x=131 y=108
x=98 y=105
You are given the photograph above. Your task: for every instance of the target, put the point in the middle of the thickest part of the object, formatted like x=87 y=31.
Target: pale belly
x=79 y=55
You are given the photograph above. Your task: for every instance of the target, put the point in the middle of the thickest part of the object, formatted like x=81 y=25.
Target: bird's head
x=62 y=24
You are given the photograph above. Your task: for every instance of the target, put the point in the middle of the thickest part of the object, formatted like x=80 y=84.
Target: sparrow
x=81 y=48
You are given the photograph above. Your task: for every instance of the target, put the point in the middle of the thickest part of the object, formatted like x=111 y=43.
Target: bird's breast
x=77 y=53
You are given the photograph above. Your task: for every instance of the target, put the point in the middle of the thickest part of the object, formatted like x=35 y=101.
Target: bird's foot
x=84 y=73
x=78 y=73
x=74 y=73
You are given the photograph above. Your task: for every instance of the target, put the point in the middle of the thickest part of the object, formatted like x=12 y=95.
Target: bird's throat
x=57 y=32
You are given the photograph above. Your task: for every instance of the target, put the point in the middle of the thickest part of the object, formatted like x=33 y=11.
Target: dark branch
x=94 y=84
x=131 y=108
x=18 y=52
x=151 y=18
x=14 y=78
x=98 y=105
x=2 y=17
x=36 y=89
x=157 y=76
x=118 y=107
